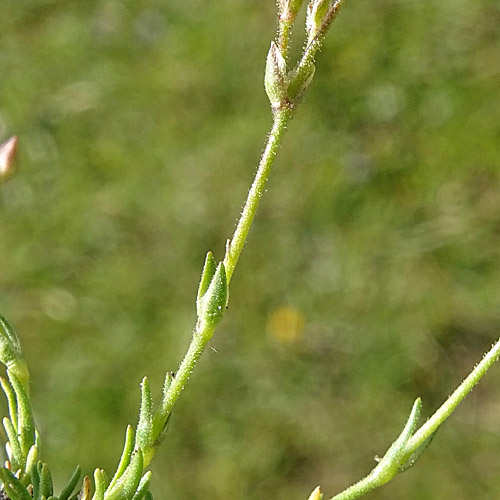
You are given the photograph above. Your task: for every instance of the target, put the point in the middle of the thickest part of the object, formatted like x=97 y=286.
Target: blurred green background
x=371 y=276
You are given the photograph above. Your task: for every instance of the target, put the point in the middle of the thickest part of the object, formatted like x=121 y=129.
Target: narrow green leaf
x=10 y=353
x=35 y=480
x=31 y=464
x=46 y=484
x=148 y=496
x=144 y=433
x=13 y=487
x=66 y=492
x=8 y=333
x=143 y=486
x=125 y=458
x=206 y=274
x=160 y=421
x=11 y=400
x=389 y=466
x=105 y=477
x=410 y=462
x=25 y=423
x=161 y=436
x=127 y=485
x=214 y=302
x=100 y=485
x=14 y=451
x=169 y=376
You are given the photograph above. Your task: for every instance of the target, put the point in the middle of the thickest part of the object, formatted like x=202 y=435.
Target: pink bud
x=7 y=158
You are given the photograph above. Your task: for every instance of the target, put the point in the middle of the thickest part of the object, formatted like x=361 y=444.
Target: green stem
x=371 y=481
x=454 y=400
x=233 y=251
x=201 y=338
x=357 y=490
x=198 y=343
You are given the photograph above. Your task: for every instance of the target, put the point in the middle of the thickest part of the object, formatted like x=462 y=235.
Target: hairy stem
x=201 y=337
x=233 y=251
x=182 y=375
x=357 y=490
x=454 y=400
x=371 y=481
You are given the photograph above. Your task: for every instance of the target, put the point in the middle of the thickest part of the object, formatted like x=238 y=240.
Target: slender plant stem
x=235 y=246
x=201 y=338
x=454 y=400
x=357 y=490
x=371 y=481
x=193 y=354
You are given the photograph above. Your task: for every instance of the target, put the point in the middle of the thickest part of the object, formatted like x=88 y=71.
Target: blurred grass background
x=371 y=276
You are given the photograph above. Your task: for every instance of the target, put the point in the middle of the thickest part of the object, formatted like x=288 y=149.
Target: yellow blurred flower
x=286 y=324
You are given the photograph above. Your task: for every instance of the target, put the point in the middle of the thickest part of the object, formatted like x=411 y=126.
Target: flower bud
x=7 y=158
x=320 y=14
x=275 y=76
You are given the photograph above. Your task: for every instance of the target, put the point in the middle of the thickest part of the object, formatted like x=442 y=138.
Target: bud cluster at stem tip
x=285 y=88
